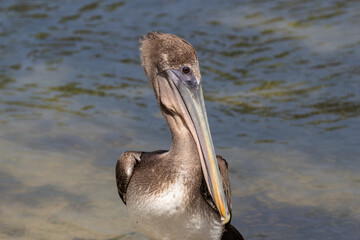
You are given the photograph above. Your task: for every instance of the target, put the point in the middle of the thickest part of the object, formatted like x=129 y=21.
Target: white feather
x=164 y=216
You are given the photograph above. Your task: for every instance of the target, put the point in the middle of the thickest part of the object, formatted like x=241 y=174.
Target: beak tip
x=226 y=219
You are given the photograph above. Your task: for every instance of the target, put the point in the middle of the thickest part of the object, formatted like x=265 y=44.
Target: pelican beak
x=190 y=98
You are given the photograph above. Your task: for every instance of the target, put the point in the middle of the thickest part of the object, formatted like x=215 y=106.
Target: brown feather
x=124 y=170
x=161 y=51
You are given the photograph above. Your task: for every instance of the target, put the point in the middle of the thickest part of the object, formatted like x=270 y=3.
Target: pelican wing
x=124 y=171
x=230 y=233
x=223 y=168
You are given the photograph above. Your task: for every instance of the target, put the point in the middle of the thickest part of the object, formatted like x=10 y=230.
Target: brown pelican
x=182 y=193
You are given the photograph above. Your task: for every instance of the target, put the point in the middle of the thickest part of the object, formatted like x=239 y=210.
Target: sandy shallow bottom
x=47 y=195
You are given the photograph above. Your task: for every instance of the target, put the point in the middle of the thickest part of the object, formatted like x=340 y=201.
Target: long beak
x=197 y=122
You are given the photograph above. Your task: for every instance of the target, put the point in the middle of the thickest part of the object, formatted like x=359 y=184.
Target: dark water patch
x=267 y=31
x=41 y=106
x=83 y=31
x=341 y=108
x=301 y=61
x=111 y=87
x=15 y=66
x=4 y=81
x=129 y=61
x=298 y=24
x=72 y=88
x=255 y=15
x=322 y=121
x=335 y=128
x=37 y=15
x=325 y=16
x=69 y=18
x=72 y=38
x=291 y=92
x=273 y=66
x=272 y=20
x=24 y=7
x=114 y=6
x=233 y=53
x=95 y=18
x=108 y=75
x=332 y=76
x=267 y=85
x=282 y=54
x=243 y=43
x=214 y=23
x=41 y=35
x=258 y=60
x=258 y=50
x=26 y=87
x=243 y=72
x=345 y=109
x=89 y=7
x=222 y=74
x=283 y=39
x=238 y=106
x=327 y=65
x=265 y=141
x=63 y=53
x=87 y=107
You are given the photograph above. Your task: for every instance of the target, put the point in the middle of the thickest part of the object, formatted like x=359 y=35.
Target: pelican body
x=182 y=193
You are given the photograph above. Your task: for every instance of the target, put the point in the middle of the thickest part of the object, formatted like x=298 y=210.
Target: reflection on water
x=282 y=75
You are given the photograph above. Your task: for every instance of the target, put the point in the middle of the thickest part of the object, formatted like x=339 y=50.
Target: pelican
x=182 y=193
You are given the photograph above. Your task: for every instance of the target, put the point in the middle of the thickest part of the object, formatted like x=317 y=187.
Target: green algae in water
x=73 y=89
x=282 y=54
x=95 y=17
x=69 y=18
x=87 y=107
x=42 y=106
x=267 y=86
x=114 y=6
x=89 y=7
x=108 y=75
x=41 y=35
x=259 y=60
x=83 y=31
x=291 y=92
x=220 y=73
x=23 y=7
x=16 y=66
x=265 y=141
x=37 y=15
x=338 y=107
x=4 y=81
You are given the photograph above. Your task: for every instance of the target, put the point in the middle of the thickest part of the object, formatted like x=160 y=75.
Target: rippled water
x=281 y=81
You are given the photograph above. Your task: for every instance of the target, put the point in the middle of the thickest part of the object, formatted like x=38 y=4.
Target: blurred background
x=281 y=84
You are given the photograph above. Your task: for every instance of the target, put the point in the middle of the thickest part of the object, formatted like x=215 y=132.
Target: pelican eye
x=186 y=70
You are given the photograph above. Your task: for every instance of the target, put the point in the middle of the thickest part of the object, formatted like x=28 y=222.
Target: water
x=281 y=83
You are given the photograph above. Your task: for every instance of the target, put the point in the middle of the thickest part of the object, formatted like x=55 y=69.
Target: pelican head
x=172 y=67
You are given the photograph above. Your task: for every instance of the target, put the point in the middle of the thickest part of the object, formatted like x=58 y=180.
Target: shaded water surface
x=281 y=82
